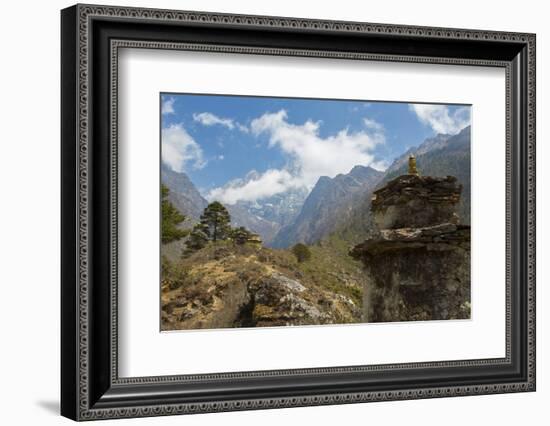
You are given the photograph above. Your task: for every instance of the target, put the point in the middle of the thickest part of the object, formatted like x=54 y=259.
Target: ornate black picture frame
x=91 y=36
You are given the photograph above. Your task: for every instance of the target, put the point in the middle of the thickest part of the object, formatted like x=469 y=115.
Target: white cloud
x=310 y=157
x=167 y=106
x=221 y=157
x=380 y=165
x=440 y=119
x=373 y=125
x=179 y=149
x=242 y=128
x=271 y=182
x=209 y=119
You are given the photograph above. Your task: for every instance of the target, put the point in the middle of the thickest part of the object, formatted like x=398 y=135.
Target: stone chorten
x=418 y=261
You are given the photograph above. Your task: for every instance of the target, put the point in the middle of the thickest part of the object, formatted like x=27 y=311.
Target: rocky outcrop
x=279 y=300
x=418 y=261
x=238 y=289
x=207 y=297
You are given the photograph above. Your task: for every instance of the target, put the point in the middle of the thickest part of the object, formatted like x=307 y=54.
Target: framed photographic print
x=263 y=212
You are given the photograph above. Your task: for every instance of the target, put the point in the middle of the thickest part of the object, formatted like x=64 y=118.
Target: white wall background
x=29 y=212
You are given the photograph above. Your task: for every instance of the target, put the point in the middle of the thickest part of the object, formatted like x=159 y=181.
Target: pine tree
x=241 y=235
x=170 y=220
x=216 y=219
x=198 y=238
x=302 y=252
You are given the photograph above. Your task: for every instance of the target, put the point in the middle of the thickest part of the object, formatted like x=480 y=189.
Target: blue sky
x=245 y=148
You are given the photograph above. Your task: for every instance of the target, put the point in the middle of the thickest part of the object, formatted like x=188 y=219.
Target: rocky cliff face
x=183 y=194
x=417 y=263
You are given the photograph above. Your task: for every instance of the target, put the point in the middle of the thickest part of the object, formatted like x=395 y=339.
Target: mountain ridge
x=183 y=194
x=318 y=213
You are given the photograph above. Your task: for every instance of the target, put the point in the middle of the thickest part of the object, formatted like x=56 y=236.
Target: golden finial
x=412 y=165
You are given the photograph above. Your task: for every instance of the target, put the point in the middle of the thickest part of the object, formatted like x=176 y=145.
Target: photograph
x=279 y=211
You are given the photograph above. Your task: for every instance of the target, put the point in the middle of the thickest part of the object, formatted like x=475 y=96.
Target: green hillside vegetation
x=301 y=252
x=325 y=269
x=331 y=266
